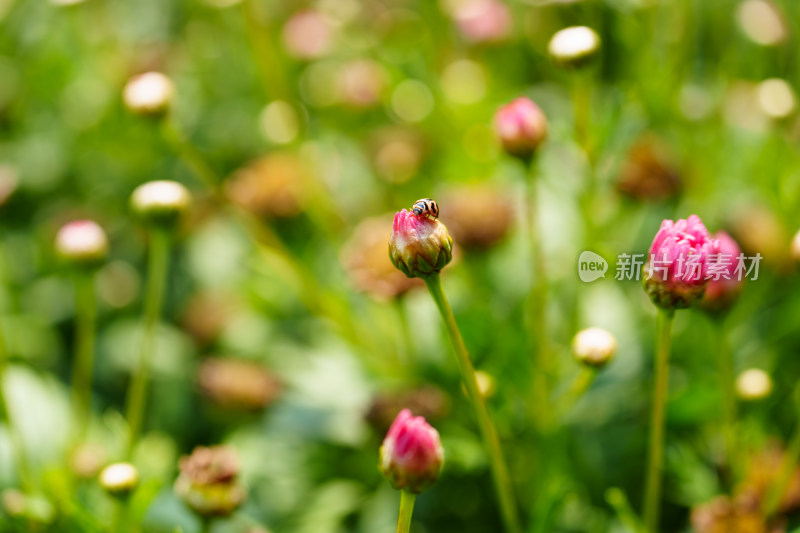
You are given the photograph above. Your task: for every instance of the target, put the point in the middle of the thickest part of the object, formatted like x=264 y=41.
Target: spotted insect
x=426 y=206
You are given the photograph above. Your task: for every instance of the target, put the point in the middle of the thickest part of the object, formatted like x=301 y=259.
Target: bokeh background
x=288 y=335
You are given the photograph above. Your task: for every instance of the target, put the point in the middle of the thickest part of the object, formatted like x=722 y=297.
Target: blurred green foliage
x=253 y=282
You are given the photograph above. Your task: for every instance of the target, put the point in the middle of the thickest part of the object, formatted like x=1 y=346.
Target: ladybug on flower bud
x=426 y=207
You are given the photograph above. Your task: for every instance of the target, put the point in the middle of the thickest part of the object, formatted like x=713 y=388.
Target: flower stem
x=189 y=153
x=537 y=307
x=406 y=508
x=120 y=519
x=502 y=480
x=15 y=437
x=85 y=313
x=727 y=378
x=578 y=387
x=156 y=282
x=652 y=491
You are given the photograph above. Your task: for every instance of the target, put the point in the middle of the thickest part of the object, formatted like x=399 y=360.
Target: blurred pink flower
x=419 y=245
x=521 y=127
x=307 y=35
x=726 y=282
x=412 y=453
x=679 y=262
x=483 y=20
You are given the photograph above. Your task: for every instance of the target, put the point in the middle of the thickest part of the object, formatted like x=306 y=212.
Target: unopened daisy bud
x=594 y=347
x=722 y=292
x=208 y=481
x=82 y=243
x=119 y=479
x=521 y=127
x=574 y=46
x=161 y=203
x=753 y=384
x=419 y=245
x=676 y=272
x=411 y=454
x=150 y=93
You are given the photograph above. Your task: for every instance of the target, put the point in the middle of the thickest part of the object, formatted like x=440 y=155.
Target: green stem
x=85 y=314
x=617 y=500
x=264 y=54
x=502 y=480
x=15 y=436
x=205 y=525
x=727 y=379
x=189 y=153
x=578 y=387
x=119 y=521
x=406 y=508
x=652 y=491
x=537 y=309
x=157 y=274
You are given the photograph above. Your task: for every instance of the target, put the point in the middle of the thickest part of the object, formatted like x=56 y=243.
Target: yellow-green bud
x=119 y=479
x=594 y=347
x=150 y=94
x=161 y=203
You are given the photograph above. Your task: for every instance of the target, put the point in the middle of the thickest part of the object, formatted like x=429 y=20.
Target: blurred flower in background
x=367 y=264
x=649 y=173
x=208 y=481
x=237 y=383
x=274 y=185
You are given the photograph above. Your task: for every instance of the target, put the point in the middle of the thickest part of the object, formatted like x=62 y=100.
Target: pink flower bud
x=483 y=21
x=82 y=242
x=678 y=263
x=521 y=127
x=419 y=245
x=412 y=454
x=722 y=291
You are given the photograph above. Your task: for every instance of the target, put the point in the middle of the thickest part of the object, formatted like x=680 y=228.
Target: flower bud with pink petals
x=419 y=246
x=726 y=282
x=411 y=454
x=82 y=243
x=678 y=263
x=521 y=127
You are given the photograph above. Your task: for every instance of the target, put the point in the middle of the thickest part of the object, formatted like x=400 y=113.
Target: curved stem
x=406 y=508
x=189 y=153
x=578 y=387
x=85 y=313
x=157 y=274
x=652 y=491
x=500 y=474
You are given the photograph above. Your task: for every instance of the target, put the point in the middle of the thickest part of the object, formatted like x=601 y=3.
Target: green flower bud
x=119 y=479
x=161 y=203
x=419 y=245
